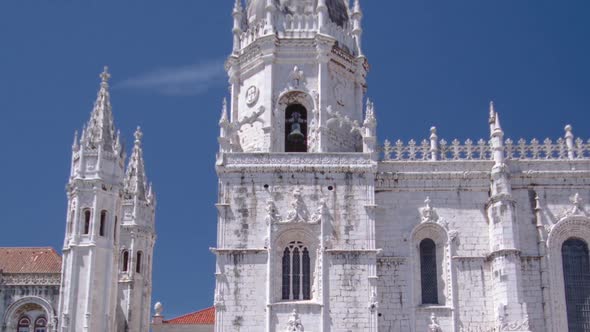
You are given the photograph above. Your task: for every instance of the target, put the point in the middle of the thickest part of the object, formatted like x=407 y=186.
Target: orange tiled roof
x=203 y=317
x=29 y=260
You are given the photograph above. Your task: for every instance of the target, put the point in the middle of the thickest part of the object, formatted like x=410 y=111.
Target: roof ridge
x=190 y=314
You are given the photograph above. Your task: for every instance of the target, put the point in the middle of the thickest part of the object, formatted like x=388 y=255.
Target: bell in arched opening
x=296 y=128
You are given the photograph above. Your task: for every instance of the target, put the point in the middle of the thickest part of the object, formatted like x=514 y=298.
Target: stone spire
x=135 y=179
x=100 y=130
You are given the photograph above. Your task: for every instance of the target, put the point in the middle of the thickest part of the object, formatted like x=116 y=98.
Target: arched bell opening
x=296 y=128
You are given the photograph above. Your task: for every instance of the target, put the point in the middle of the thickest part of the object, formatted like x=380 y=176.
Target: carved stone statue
x=294 y=323
x=434 y=326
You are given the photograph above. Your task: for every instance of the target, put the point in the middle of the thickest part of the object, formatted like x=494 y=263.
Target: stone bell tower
x=296 y=165
x=297 y=75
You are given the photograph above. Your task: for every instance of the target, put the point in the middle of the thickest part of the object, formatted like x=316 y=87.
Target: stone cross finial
x=105 y=76
x=138 y=135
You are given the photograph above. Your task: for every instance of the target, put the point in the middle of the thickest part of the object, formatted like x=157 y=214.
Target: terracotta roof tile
x=203 y=317
x=29 y=260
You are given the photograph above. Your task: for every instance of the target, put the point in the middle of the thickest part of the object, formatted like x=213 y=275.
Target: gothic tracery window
x=296 y=272
x=576 y=274
x=295 y=128
x=23 y=325
x=428 y=272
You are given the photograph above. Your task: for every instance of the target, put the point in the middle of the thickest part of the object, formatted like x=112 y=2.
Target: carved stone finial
x=294 y=323
x=569 y=131
x=492 y=112
x=158 y=308
x=105 y=76
x=138 y=135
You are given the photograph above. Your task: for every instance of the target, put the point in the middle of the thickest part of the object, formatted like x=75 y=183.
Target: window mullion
x=291 y=270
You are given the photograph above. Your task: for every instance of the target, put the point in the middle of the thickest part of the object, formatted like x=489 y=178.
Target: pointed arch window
x=24 y=325
x=428 y=272
x=103 y=223
x=296 y=272
x=138 y=262
x=576 y=274
x=125 y=267
x=87 y=216
x=41 y=325
x=296 y=128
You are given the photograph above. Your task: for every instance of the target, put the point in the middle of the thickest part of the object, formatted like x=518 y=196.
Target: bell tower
x=88 y=292
x=298 y=77
x=296 y=167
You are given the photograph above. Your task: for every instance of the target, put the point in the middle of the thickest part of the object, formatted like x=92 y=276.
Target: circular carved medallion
x=252 y=95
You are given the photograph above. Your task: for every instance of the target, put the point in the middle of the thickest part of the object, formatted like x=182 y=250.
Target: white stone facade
x=497 y=211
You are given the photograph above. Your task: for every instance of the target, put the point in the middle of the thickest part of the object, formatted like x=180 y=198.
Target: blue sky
x=433 y=63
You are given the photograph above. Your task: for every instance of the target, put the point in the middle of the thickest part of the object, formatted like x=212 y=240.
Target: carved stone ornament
x=434 y=326
x=577 y=209
x=319 y=213
x=272 y=214
x=298 y=211
x=428 y=214
x=373 y=303
x=252 y=95
x=297 y=78
x=294 y=323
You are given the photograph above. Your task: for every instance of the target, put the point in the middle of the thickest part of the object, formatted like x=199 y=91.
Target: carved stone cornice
x=30 y=279
x=286 y=162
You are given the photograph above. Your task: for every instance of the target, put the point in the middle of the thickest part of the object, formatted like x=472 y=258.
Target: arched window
x=125 y=266
x=296 y=268
x=41 y=325
x=138 y=263
x=115 y=230
x=295 y=128
x=428 y=272
x=576 y=275
x=87 y=216
x=103 y=223
x=23 y=324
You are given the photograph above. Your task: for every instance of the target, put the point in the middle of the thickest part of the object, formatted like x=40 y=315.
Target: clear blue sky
x=433 y=63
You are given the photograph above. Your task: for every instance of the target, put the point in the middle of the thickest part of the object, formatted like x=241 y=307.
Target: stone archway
x=24 y=306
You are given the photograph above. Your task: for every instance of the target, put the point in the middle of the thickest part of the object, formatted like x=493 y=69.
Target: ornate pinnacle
x=357 y=7
x=75 y=146
x=223 y=118
x=492 y=112
x=105 y=76
x=138 y=136
x=100 y=130
x=135 y=179
x=238 y=7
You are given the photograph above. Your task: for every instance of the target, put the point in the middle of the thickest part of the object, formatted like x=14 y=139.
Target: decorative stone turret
x=88 y=292
x=137 y=244
x=505 y=253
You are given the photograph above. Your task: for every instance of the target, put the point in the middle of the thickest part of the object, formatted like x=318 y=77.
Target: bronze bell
x=296 y=136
